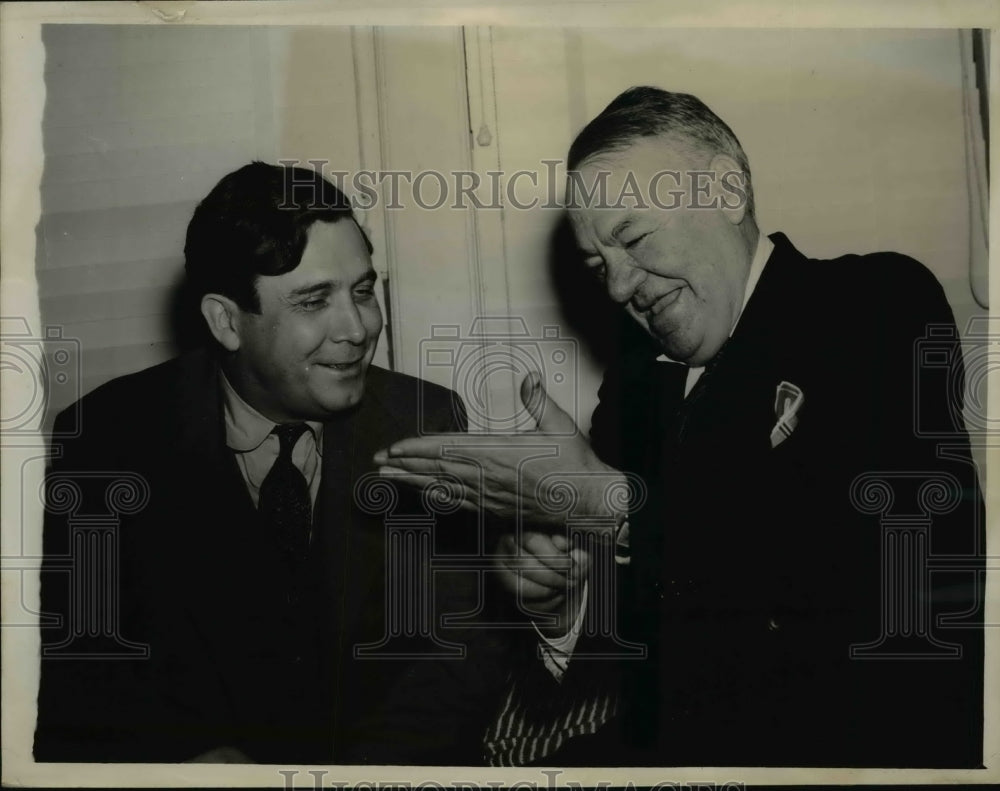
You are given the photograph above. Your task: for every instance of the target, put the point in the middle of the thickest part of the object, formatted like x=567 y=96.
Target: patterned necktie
x=688 y=404
x=284 y=496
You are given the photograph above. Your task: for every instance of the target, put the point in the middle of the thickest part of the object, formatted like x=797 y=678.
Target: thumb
x=547 y=413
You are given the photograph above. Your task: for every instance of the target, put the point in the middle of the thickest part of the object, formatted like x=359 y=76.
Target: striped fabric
x=539 y=715
x=546 y=706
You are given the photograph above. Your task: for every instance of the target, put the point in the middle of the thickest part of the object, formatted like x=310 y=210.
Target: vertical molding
x=976 y=171
x=423 y=127
x=468 y=97
x=373 y=143
x=489 y=264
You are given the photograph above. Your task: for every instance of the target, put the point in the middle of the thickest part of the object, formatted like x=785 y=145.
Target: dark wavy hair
x=254 y=222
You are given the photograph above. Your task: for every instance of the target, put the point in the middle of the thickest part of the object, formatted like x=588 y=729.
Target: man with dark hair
x=245 y=583
x=805 y=571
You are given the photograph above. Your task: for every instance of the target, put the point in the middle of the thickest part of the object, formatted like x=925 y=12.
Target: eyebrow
x=326 y=286
x=314 y=288
x=368 y=277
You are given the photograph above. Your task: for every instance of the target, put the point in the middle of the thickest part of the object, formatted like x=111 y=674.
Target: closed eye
x=633 y=242
x=599 y=270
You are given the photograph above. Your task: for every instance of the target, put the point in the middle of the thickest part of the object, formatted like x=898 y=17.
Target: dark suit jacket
x=755 y=570
x=241 y=651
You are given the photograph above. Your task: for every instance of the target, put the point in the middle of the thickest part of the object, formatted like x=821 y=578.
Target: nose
x=346 y=324
x=623 y=279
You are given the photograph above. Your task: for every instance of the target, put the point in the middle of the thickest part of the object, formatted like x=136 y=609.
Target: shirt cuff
x=556 y=652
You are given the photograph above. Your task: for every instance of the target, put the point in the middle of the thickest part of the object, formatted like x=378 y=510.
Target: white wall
x=855 y=139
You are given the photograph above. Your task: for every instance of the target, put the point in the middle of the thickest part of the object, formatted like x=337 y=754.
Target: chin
x=677 y=349
x=344 y=400
x=704 y=355
x=687 y=347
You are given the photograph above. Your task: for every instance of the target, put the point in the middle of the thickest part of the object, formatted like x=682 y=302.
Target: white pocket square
x=788 y=401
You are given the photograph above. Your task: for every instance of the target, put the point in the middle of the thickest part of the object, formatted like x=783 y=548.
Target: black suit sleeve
x=439 y=708
x=910 y=441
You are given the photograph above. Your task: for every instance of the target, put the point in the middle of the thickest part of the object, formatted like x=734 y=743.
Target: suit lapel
x=225 y=535
x=352 y=542
x=207 y=465
x=334 y=516
x=734 y=409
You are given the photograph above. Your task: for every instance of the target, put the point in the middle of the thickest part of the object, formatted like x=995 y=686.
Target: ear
x=222 y=316
x=730 y=187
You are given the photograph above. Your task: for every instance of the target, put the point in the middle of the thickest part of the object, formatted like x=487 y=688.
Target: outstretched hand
x=537 y=475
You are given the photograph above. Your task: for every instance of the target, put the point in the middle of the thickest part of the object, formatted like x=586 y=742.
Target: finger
x=431 y=446
x=534 y=568
x=531 y=591
x=533 y=571
x=420 y=465
x=466 y=488
x=541 y=547
x=549 y=416
x=581 y=564
x=398 y=475
x=560 y=541
x=550 y=570
x=452 y=466
x=458 y=494
x=515 y=582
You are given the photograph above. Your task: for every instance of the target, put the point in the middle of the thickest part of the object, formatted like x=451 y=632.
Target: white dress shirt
x=248 y=435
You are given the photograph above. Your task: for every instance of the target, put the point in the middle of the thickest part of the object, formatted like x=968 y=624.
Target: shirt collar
x=763 y=252
x=764 y=249
x=246 y=428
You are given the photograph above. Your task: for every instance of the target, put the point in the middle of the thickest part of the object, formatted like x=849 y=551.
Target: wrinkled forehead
x=594 y=227
x=584 y=222
x=598 y=191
